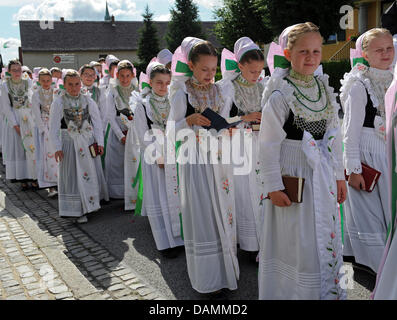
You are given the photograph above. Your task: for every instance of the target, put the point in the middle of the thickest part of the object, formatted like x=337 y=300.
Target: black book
x=218 y=122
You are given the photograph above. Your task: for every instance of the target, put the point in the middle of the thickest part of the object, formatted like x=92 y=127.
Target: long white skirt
x=156 y=206
x=40 y=158
x=15 y=156
x=210 y=267
x=1 y=130
x=114 y=166
x=68 y=191
x=289 y=264
x=367 y=215
x=248 y=196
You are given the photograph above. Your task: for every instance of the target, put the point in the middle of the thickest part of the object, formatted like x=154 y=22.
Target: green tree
x=239 y=18
x=184 y=23
x=283 y=13
x=148 y=44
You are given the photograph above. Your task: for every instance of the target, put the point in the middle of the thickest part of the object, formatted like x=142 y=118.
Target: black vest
x=295 y=133
x=370 y=113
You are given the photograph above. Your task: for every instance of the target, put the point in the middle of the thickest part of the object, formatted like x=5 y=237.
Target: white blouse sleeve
x=271 y=135
x=102 y=102
x=352 y=124
x=56 y=114
x=96 y=121
x=111 y=116
x=36 y=111
x=6 y=106
x=178 y=102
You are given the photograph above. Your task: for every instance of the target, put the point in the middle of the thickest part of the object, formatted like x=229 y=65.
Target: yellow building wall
x=373 y=21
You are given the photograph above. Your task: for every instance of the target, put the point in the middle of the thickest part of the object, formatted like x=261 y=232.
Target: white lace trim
x=362 y=73
x=277 y=83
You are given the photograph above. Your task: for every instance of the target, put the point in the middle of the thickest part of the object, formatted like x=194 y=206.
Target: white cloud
x=77 y=10
x=209 y=4
x=163 y=17
x=11 y=52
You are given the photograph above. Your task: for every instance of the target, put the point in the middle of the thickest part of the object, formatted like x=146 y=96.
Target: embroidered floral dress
x=160 y=199
x=245 y=98
x=18 y=150
x=75 y=124
x=368 y=215
x=47 y=167
x=301 y=245
x=118 y=114
x=206 y=190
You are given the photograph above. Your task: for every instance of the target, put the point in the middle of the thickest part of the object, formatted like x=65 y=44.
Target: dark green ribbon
x=281 y=62
x=360 y=60
x=183 y=68
x=105 y=145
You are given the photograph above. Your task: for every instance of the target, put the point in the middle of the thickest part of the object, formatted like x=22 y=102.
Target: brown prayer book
x=255 y=126
x=370 y=175
x=294 y=188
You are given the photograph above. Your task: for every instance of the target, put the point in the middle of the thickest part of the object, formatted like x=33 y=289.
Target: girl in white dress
x=386 y=287
x=151 y=114
x=301 y=246
x=75 y=132
x=118 y=112
x=206 y=189
x=243 y=90
x=47 y=167
x=367 y=214
x=18 y=137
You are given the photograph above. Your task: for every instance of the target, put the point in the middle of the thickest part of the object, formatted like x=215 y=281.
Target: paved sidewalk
x=45 y=257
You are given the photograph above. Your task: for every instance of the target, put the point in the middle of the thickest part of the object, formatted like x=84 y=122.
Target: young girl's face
x=88 y=77
x=45 y=81
x=204 y=69
x=251 y=70
x=16 y=72
x=160 y=84
x=73 y=86
x=305 y=55
x=380 y=52
x=125 y=77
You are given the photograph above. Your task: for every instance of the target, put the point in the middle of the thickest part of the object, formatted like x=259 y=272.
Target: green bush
x=336 y=71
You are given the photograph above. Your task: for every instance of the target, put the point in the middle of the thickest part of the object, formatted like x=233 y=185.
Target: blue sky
x=13 y=10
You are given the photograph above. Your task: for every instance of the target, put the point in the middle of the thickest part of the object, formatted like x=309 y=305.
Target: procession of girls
x=145 y=142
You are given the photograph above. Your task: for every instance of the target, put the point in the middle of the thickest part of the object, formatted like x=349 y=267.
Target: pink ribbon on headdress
x=275 y=50
x=4 y=72
x=229 y=64
x=356 y=55
x=179 y=66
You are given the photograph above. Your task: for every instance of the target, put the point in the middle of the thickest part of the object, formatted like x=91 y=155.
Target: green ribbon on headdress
x=8 y=74
x=360 y=60
x=183 y=68
x=281 y=62
x=146 y=85
x=231 y=65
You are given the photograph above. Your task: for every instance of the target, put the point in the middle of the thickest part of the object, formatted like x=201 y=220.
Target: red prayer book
x=370 y=175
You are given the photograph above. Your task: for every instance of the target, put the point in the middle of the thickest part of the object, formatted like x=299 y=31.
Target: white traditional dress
x=18 y=150
x=118 y=109
x=244 y=98
x=75 y=124
x=206 y=190
x=367 y=215
x=47 y=167
x=301 y=245
x=386 y=287
x=159 y=198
